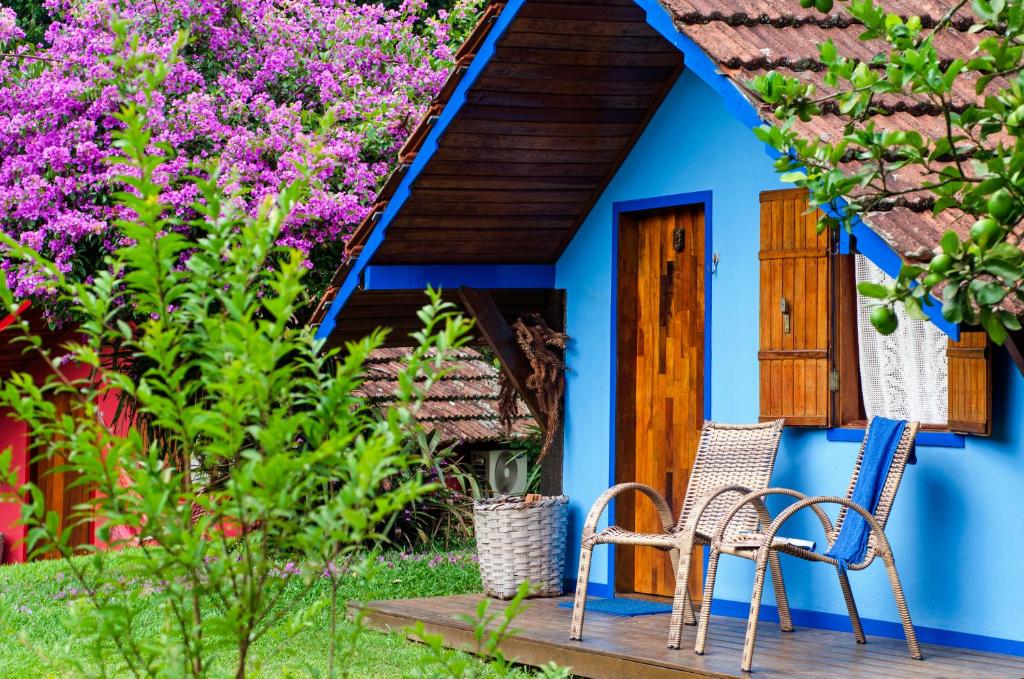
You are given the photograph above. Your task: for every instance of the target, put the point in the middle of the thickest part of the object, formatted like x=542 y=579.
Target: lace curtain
x=902 y=375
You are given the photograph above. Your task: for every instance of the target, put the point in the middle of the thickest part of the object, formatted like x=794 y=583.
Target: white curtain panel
x=902 y=375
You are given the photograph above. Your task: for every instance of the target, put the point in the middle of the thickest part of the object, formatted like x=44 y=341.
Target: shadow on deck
x=618 y=647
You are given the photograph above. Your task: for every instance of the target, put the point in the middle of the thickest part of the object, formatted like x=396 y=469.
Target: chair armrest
x=881 y=542
x=664 y=511
x=757 y=498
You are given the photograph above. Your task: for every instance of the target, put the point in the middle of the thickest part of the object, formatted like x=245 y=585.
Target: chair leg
x=705 y=608
x=755 y=610
x=689 y=615
x=851 y=606
x=901 y=606
x=579 y=606
x=681 y=601
x=781 y=600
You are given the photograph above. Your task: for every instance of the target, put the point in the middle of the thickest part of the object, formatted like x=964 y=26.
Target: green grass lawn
x=34 y=600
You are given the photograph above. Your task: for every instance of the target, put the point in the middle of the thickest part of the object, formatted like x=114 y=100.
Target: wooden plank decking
x=617 y=647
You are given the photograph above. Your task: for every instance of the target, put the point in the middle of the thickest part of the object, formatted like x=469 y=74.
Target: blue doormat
x=626 y=608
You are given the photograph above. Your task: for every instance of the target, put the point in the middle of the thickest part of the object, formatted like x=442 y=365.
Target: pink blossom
x=249 y=91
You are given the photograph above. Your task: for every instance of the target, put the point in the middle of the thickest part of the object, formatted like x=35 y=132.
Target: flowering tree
x=251 y=88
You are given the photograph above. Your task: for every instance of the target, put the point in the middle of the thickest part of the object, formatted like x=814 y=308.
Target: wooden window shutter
x=970 y=384
x=795 y=309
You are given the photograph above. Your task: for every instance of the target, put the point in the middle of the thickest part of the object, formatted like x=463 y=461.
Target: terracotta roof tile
x=750 y=38
x=463 y=405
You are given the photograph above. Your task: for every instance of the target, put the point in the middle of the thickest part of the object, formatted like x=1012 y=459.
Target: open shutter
x=970 y=384
x=795 y=311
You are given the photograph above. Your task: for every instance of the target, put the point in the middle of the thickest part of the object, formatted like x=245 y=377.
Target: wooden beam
x=499 y=336
x=1015 y=346
x=551 y=465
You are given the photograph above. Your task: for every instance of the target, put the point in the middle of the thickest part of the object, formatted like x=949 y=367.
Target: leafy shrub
x=255 y=441
x=445 y=514
x=32 y=18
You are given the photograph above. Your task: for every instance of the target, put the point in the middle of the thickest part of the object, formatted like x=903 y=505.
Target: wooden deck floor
x=617 y=647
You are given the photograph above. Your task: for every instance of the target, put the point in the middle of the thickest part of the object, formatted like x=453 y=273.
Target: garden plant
x=244 y=447
x=970 y=175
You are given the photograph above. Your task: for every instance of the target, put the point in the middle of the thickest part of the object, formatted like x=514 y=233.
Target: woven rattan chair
x=731 y=460
x=770 y=544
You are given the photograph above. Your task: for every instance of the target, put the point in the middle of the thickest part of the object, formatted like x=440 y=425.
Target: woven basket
x=517 y=541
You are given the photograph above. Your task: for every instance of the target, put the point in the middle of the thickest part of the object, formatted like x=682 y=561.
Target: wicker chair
x=731 y=459
x=724 y=541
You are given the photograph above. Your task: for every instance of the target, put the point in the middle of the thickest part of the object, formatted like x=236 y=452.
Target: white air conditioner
x=502 y=471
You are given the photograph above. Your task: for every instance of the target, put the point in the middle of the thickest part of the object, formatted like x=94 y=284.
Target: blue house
x=594 y=162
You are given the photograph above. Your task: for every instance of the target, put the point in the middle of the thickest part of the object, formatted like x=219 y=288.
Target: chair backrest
x=730 y=454
x=904 y=449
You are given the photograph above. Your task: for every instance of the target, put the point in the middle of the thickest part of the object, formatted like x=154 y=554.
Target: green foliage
x=444 y=515
x=254 y=444
x=972 y=173
x=33 y=18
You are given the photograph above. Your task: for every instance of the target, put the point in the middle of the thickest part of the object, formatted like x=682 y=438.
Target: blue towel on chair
x=883 y=437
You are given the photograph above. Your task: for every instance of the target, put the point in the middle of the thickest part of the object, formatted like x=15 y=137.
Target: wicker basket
x=518 y=540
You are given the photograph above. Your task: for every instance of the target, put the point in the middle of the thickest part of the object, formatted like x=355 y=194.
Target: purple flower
x=249 y=94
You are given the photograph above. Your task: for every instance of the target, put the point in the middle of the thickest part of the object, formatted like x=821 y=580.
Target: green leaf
x=1009 y=320
x=950 y=242
x=912 y=306
x=988 y=293
x=1002 y=269
x=874 y=290
x=993 y=326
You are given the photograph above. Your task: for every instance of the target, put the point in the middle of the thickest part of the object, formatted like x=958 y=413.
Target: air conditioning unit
x=501 y=472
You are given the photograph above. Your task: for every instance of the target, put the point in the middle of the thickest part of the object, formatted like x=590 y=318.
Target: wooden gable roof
x=546 y=123
x=569 y=87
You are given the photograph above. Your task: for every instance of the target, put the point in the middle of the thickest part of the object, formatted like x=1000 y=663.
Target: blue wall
x=955 y=527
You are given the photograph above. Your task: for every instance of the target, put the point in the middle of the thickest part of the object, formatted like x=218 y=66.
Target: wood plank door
x=58 y=492
x=660 y=379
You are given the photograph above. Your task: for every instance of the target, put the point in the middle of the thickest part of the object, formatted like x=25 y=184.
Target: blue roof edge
x=870 y=244
x=426 y=151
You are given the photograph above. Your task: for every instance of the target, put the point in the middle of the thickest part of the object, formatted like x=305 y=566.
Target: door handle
x=786 y=315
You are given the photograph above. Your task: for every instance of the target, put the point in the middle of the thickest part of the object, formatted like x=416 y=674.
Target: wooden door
x=660 y=379
x=58 y=492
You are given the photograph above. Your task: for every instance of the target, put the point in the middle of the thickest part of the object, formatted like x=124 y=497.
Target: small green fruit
x=1000 y=205
x=986 y=232
x=884 y=320
x=823 y=6
x=941 y=263
x=807 y=4
x=933 y=279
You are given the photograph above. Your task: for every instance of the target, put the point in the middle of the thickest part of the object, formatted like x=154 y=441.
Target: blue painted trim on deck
x=425 y=153
x=839 y=623
x=931 y=439
x=878 y=628
x=492 y=276
x=619 y=208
